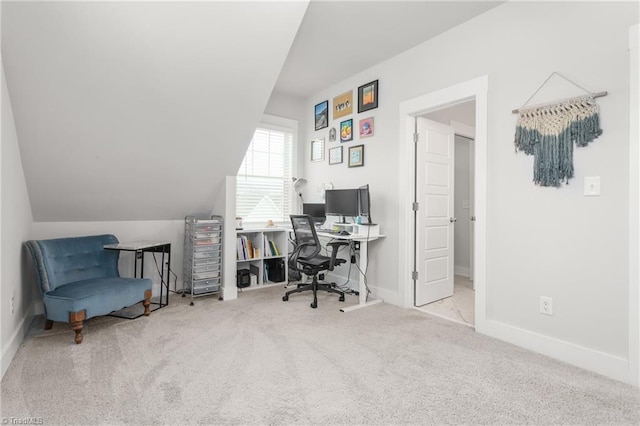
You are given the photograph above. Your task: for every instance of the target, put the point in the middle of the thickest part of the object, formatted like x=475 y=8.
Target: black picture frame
x=356 y=156
x=346 y=130
x=321 y=114
x=368 y=96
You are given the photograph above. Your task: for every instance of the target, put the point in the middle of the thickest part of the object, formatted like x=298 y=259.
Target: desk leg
x=362 y=288
x=166 y=249
x=162 y=275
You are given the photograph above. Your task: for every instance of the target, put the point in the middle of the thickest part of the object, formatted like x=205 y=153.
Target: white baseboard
x=465 y=271
x=385 y=295
x=599 y=362
x=10 y=349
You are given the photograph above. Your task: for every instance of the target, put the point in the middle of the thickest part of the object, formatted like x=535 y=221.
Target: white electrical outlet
x=546 y=305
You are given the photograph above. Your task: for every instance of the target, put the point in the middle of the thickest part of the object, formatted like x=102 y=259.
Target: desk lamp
x=298 y=183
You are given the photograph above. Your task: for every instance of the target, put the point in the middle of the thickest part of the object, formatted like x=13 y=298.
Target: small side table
x=140 y=248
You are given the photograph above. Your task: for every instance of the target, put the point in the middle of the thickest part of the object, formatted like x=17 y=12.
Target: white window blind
x=264 y=184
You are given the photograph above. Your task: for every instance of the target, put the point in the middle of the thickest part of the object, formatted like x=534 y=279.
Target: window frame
x=285 y=125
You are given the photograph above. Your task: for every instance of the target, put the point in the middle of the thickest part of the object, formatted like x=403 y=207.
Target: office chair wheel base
x=191 y=304
x=285 y=298
x=341 y=299
x=314 y=305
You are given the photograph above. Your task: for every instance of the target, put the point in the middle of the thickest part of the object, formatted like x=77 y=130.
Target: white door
x=434 y=217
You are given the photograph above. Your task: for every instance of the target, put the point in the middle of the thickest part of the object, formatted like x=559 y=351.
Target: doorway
x=471 y=91
x=455 y=300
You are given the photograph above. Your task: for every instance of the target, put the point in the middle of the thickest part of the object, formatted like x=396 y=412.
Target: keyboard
x=328 y=231
x=332 y=232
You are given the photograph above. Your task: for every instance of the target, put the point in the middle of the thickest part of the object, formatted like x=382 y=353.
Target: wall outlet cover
x=546 y=305
x=592 y=186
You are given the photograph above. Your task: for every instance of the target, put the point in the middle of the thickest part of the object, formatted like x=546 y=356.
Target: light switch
x=592 y=186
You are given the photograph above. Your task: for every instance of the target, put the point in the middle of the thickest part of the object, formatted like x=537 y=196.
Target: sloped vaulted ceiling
x=137 y=110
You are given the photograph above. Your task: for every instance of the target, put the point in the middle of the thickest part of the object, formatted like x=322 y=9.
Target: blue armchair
x=79 y=280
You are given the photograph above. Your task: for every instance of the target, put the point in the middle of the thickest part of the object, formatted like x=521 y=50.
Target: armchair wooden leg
x=48 y=325
x=76 y=320
x=147 y=302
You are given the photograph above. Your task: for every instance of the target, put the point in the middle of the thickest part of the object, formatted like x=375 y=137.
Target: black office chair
x=306 y=258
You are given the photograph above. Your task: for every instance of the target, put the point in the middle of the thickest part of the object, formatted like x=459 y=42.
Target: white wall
x=157 y=91
x=16 y=221
x=541 y=241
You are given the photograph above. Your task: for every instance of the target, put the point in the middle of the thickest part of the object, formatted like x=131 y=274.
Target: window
x=264 y=184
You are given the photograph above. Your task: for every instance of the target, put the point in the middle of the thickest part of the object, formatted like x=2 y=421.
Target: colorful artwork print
x=346 y=130
x=366 y=127
x=368 y=96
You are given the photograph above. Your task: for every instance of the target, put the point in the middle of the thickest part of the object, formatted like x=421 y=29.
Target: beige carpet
x=258 y=360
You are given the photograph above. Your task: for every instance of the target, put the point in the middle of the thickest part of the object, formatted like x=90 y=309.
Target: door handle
x=452 y=219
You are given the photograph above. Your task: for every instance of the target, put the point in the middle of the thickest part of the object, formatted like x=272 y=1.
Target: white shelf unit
x=202 y=256
x=255 y=262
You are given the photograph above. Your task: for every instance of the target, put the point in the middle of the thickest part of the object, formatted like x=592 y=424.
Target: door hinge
x=415 y=206
x=414 y=275
x=416 y=137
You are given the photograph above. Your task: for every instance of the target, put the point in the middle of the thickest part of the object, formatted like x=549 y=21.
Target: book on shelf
x=239 y=251
x=244 y=248
x=273 y=248
x=249 y=249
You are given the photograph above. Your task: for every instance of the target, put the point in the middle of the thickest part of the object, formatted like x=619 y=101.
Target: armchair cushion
x=99 y=296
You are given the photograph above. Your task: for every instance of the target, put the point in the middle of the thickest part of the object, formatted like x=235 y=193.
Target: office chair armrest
x=335 y=246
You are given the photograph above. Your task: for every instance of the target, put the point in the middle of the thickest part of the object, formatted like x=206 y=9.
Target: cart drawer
x=206 y=275
x=206 y=261
x=208 y=247
x=207 y=255
x=207 y=268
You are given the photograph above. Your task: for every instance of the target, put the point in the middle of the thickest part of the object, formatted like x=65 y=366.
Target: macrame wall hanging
x=549 y=131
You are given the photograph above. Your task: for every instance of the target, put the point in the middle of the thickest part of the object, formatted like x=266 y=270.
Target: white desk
x=364 y=260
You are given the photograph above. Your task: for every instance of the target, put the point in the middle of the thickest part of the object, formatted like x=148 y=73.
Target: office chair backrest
x=305 y=232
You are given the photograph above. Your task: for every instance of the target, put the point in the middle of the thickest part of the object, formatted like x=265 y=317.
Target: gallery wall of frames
x=345 y=131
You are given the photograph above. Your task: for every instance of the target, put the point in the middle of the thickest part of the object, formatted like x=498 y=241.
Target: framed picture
x=317 y=149
x=332 y=134
x=366 y=127
x=368 y=96
x=335 y=155
x=321 y=111
x=343 y=104
x=356 y=156
x=346 y=130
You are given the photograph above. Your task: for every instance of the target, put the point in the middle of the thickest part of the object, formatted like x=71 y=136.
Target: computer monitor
x=341 y=202
x=364 y=202
x=316 y=211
